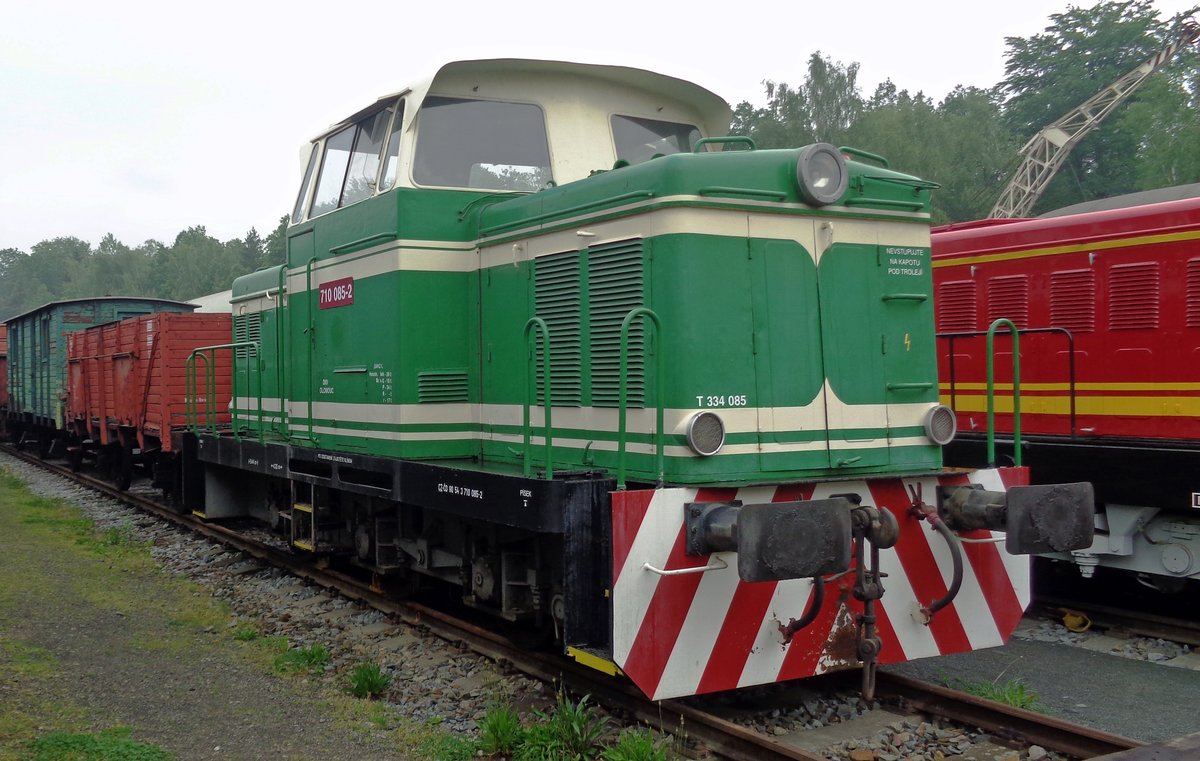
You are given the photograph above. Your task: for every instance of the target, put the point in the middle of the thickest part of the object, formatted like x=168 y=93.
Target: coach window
x=482 y=144
x=388 y=180
x=639 y=140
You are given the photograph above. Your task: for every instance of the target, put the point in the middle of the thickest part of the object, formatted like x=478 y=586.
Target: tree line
x=195 y=264
x=968 y=142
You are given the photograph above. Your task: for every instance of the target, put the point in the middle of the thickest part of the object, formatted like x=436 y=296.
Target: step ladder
x=303 y=516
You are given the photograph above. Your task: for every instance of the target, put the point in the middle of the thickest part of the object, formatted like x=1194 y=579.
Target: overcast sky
x=145 y=118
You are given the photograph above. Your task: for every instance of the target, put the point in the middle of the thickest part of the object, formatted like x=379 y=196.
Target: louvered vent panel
x=616 y=286
x=246 y=327
x=435 y=386
x=1193 y=293
x=956 y=305
x=1073 y=300
x=1009 y=297
x=557 y=293
x=1133 y=296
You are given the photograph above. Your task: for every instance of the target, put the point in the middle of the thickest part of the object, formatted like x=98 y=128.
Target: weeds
x=302 y=659
x=636 y=745
x=500 y=731
x=367 y=680
x=245 y=634
x=119 y=536
x=110 y=745
x=443 y=747
x=276 y=643
x=1013 y=692
x=570 y=734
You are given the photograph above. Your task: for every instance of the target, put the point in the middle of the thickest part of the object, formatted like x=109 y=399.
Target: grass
x=367 y=680
x=245 y=634
x=636 y=745
x=500 y=731
x=110 y=745
x=569 y=734
x=302 y=660
x=56 y=557
x=1012 y=692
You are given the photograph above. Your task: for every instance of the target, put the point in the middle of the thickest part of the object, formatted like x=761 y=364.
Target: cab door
x=852 y=327
x=788 y=356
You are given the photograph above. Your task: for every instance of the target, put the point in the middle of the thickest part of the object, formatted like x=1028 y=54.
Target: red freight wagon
x=1108 y=304
x=127 y=385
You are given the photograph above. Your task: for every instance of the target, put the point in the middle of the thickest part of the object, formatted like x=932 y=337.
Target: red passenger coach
x=1108 y=308
x=127 y=384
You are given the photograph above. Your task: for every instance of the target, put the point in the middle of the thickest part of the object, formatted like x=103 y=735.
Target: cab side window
x=333 y=171
x=350 y=163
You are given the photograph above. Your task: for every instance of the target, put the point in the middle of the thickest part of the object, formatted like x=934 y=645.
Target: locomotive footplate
x=507 y=499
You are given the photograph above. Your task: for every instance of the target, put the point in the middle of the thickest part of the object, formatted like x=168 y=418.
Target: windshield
x=481 y=144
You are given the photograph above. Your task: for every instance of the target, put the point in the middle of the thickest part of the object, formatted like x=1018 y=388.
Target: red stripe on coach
x=628 y=511
x=920 y=566
x=669 y=606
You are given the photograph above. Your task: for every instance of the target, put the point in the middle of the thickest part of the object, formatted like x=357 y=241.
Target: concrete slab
x=338 y=614
x=866 y=725
x=1103 y=643
x=398 y=643
x=1189 y=661
x=873 y=724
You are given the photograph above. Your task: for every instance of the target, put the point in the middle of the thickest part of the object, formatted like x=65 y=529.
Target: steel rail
x=1016 y=724
x=728 y=739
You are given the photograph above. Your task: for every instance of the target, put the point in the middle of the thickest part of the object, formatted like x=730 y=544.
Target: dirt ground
x=93 y=636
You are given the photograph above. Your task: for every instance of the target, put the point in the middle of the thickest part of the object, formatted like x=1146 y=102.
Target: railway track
x=723 y=737
x=1133 y=622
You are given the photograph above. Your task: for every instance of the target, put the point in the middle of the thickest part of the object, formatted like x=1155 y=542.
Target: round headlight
x=941 y=425
x=706 y=433
x=821 y=174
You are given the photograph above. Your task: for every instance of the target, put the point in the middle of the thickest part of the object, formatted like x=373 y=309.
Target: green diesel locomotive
x=547 y=334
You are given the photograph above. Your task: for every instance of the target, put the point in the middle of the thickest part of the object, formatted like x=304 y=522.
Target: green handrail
x=660 y=374
x=281 y=427
x=991 y=398
x=311 y=331
x=190 y=408
x=539 y=323
x=866 y=155
x=727 y=139
x=208 y=354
